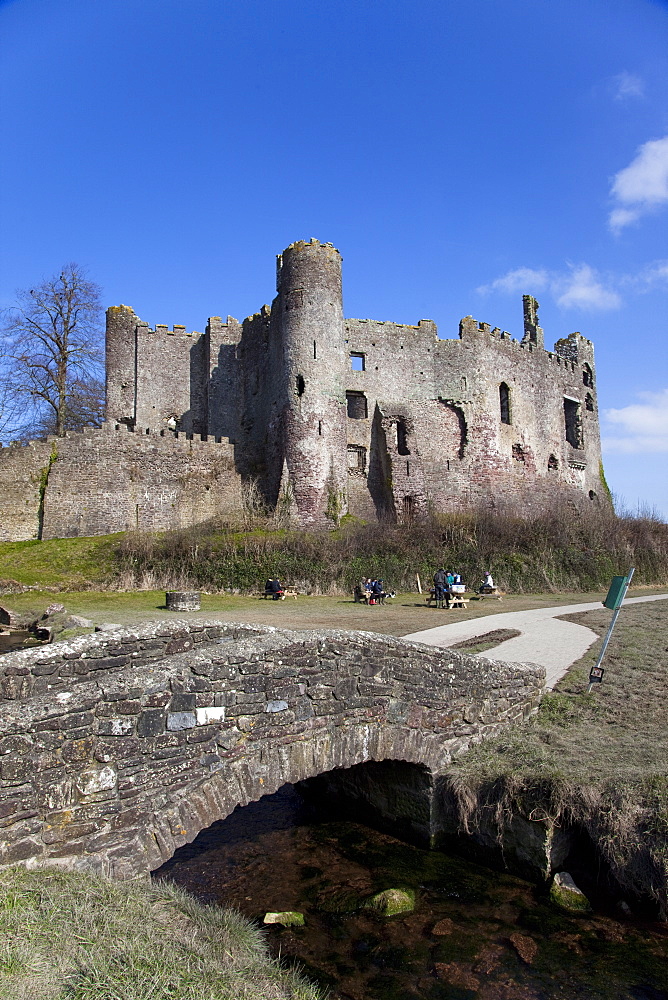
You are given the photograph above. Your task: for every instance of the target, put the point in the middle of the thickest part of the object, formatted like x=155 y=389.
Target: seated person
x=487 y=583
x=275 y=589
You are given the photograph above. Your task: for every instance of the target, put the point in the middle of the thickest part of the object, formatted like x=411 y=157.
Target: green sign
x=616 y=593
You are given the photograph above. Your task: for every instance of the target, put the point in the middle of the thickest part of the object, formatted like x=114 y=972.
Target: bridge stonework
x=117 y=749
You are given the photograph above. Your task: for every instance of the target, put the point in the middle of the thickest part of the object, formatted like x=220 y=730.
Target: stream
x=474 y=933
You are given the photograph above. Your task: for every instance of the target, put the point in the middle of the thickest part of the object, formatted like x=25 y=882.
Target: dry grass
x=556 y=551
x=82 y=937
x=598 y=760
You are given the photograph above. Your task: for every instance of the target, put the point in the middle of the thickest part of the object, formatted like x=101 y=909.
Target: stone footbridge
x=118 y=748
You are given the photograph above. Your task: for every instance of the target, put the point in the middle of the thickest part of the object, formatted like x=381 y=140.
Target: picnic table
x=456 y=599
x=281 y=596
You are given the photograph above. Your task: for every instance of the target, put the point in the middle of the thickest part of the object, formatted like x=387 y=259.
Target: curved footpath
x=545 y=638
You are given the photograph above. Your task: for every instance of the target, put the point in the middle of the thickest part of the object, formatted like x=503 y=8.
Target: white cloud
x=639 y=427
x=642 y=186
x=627 y=85
x=522 y=279
x=581 y=289
x=578 y=288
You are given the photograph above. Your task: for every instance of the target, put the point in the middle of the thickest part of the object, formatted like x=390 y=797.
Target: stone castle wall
x=324 y=415
x=118 y=748
x=101 y=481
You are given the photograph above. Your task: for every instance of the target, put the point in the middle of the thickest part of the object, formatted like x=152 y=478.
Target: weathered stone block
x=181 y=720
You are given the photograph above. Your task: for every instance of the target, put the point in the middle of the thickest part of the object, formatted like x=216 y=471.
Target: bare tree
x=51 y=362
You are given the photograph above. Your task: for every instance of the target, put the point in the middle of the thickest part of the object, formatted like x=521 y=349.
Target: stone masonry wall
x=127 y=480
x=22 y=472
x=117 y=749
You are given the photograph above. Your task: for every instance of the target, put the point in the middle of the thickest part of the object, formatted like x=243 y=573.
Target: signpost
x=614 y=600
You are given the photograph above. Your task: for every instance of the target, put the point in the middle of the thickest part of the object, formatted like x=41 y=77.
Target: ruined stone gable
x=324 y=415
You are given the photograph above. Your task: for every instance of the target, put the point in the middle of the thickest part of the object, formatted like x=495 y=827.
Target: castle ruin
x=322 y=415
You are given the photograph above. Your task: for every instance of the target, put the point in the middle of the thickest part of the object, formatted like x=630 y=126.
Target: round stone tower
x=310 y=321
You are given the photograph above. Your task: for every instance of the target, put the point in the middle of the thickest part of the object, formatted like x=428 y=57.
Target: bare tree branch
x=51 y=357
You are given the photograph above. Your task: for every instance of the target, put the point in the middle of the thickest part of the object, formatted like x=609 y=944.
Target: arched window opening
x=504 y=403
x=593 y=495
x=587 y=375
x=402 y=438
x=589 y=402
x=356 y=405
x=552 y=463
x=301 y=385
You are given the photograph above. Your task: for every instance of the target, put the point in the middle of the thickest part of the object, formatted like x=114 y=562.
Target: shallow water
x=473 y=934
x=12 y=641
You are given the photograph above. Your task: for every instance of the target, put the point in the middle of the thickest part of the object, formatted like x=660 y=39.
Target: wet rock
x=288 y=918
x=457 y=975
x=443 y=927
x=566 y=894
x=392 y=901
x=525 y=947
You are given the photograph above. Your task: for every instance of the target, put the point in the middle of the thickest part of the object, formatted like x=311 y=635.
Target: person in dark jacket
x=441 y=589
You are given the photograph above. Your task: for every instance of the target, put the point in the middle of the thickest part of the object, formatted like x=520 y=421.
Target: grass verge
x=597 y=761
x=82 y=937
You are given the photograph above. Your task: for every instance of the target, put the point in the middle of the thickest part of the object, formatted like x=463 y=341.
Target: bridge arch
x=115 y=751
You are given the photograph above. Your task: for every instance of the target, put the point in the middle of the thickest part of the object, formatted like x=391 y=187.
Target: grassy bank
x=559 y=551
x=597 y=761
x=556 y=552
x=82 y=937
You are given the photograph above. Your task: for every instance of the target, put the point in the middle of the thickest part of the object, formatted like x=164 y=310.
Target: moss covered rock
x=566 y=894
x=288 y=918
x=392 y=901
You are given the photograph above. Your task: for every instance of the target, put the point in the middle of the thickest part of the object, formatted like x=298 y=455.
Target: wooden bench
x=286 y=593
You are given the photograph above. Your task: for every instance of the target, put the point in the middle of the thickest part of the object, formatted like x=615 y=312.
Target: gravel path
x=545 y=638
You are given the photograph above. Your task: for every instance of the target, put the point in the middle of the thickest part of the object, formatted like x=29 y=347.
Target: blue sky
x=458 y=154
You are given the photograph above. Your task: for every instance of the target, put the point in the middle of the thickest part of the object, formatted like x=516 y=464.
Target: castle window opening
x=408 y=510
x=592 y=495
x=518 y=453
x=402 y=438
x=356 y=405
x=357 y=361
x=587 y=375
x=301 y=385
x=356 y=458
x=408 y=469
x=589 y=402
x=315 y=351
x=320 y=428
x=552 y=463
x=573 y=422
x=504 y=403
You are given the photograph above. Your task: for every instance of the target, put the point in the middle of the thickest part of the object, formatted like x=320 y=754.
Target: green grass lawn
x=61 y=563
x=82 y=937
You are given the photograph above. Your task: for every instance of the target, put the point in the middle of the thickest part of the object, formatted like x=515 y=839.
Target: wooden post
x=419 y=585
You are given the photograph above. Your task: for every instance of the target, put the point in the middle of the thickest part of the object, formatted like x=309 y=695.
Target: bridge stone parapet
x=117 y=749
